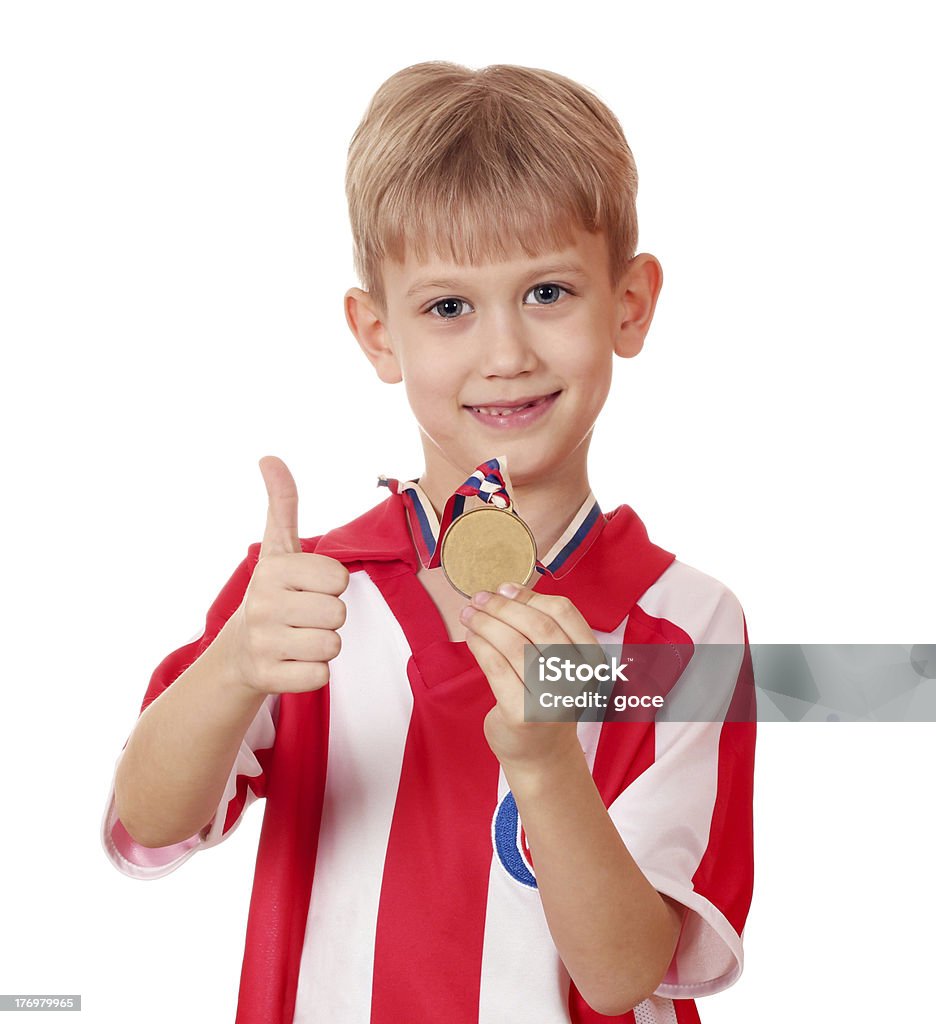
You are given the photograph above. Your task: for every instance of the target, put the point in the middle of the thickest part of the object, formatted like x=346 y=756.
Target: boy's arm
x=601 y=872
x=176 y=764
x=601 y=910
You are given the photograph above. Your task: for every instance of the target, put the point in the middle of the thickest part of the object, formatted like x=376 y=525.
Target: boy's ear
x=367 y=323
x=637 y=292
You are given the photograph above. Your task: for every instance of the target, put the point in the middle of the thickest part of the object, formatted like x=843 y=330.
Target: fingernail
x=482 y=597
x=508 y=589
x=466 y=613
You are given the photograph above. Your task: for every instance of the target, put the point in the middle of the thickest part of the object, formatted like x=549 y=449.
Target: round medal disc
x=486 y=547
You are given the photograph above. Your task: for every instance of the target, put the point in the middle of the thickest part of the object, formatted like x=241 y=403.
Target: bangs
x=474 y=236
x=471 y=214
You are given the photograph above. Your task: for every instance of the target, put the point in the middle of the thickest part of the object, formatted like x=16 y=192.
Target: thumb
x=282 y=525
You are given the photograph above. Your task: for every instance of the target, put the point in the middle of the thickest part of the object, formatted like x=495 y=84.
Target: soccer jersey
x=393 y=882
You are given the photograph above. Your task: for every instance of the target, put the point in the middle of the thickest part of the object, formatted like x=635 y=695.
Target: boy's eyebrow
x=546 y=270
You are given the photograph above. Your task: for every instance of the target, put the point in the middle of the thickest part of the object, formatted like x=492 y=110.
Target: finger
x=291 y=643
x=505 y=685
x=300 y=676
x=312 y=610
x=509 y=643
x=560 y=609
x=312 y=573
x=281 y=535
x=546 y=619
x=538 y=623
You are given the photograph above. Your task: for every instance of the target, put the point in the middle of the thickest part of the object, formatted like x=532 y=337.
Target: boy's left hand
x=498 y=626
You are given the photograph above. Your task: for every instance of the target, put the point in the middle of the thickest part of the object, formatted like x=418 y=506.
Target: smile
x=513 y=414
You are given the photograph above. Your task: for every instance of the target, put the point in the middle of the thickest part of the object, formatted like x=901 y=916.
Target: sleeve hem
x=721 y=960
x=136 y=861
x=144 y=862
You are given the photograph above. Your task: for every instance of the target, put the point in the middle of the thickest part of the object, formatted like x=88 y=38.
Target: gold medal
x=486 y=547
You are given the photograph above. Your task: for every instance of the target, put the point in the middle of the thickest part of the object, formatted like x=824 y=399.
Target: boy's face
x=470 y=341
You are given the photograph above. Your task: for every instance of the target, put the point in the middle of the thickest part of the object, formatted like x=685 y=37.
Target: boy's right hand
x=283 y=635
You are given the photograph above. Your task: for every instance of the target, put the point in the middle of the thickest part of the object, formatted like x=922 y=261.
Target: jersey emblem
x=510 y=843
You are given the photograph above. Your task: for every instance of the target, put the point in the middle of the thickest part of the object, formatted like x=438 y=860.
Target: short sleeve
x=247 y=779
x=687 y=818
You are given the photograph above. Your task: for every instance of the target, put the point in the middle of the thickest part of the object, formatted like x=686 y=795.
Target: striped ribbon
x=491 y=483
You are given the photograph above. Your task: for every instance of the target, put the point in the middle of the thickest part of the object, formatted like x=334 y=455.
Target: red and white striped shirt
x=392 y=885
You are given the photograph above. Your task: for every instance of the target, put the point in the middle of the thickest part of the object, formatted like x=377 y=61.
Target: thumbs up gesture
x=283 y=635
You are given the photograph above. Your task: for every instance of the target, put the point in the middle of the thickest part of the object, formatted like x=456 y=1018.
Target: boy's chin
x=528 y=463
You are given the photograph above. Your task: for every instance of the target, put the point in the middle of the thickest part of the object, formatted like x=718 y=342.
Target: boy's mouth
x=518 y=410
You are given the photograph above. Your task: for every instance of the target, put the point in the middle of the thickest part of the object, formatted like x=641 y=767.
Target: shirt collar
x=617 y=567
x=578 y=536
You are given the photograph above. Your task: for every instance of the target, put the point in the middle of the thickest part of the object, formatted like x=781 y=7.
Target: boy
x=495 y=233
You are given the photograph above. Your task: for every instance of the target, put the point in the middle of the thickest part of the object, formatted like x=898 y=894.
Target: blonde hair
x=472 y=164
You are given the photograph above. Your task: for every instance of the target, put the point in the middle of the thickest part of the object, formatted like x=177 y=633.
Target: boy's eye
x=449 y=309
x=546 y=294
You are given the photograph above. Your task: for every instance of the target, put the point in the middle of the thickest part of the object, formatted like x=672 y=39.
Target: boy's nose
x=507 y=349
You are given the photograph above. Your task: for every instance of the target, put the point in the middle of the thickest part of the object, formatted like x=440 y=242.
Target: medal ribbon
x=491 y=484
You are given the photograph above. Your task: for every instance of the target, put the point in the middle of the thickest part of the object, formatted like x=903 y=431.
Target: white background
x=175 y=248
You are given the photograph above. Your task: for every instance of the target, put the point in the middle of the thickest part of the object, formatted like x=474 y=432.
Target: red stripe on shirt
x=279 y=903
x=626 y=749
x=686 y=1011
x=725 y=874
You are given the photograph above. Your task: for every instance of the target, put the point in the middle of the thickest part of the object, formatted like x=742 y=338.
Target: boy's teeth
x=500 y=411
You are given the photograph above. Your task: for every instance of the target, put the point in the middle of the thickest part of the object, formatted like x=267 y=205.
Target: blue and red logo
x=510 y=843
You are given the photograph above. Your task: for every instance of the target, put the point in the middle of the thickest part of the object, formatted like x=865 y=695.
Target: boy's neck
x=547 y=507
